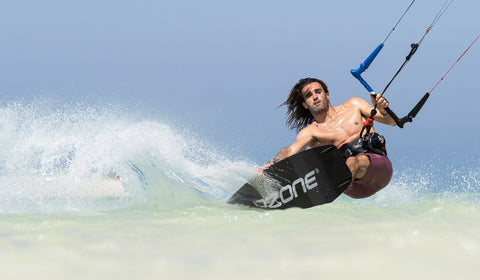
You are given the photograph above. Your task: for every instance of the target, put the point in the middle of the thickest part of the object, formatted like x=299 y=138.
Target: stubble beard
x=319 y=110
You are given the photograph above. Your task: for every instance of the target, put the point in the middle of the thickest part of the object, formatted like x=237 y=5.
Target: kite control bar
x=357 y=73
x=409 y=117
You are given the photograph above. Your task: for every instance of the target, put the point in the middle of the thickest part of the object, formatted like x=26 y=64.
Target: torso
x=344 y=125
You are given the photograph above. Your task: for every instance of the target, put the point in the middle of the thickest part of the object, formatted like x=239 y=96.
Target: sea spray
x=79 y=157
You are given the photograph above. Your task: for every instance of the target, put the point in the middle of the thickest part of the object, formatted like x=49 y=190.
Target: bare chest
x=343 y=128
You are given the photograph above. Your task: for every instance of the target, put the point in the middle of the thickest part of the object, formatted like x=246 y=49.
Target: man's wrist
x=276 y=159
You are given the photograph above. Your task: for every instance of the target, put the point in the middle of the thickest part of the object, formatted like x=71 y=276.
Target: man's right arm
x=304 y=140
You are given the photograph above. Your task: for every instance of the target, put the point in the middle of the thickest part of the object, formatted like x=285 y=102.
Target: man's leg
x=378 y=174
x=358 y=165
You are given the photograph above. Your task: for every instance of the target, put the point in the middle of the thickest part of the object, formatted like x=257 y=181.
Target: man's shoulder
x=307 y=130
x=354 y=102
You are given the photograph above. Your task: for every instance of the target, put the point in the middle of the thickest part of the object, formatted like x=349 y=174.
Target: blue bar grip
x=357 y=73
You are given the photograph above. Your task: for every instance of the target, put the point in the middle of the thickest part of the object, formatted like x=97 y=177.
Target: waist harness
x=368 y=143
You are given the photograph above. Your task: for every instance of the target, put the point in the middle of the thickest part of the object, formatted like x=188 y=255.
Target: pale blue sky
x=223 y=67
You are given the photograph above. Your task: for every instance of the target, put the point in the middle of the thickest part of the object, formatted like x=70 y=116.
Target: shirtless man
x=310 y=112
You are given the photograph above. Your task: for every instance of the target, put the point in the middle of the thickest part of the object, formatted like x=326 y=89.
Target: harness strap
x=368 y=124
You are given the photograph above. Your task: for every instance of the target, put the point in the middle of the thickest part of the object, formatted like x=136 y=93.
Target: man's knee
x=358 y=165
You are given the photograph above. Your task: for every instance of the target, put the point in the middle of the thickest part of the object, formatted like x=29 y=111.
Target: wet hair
x=297 y=116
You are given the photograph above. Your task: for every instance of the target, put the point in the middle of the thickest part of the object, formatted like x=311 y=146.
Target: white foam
x=71 y=152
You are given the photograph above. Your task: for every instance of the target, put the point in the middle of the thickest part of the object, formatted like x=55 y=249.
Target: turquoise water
x=89 y=194
x=438 y=239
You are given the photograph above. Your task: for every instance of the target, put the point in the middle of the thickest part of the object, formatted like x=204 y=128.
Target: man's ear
x=304 y=105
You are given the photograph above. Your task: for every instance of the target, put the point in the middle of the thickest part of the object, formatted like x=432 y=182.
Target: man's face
x=315 y=98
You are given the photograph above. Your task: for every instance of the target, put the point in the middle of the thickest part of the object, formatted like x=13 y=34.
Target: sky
x=222 y=68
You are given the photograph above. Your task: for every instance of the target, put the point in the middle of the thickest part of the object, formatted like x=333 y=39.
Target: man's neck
x=324 y=116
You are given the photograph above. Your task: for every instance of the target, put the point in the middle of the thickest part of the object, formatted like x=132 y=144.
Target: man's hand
x=381 y=102
x=265 y=166
x=268 y=164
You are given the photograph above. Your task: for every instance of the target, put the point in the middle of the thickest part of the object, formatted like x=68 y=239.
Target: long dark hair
x=297 y=116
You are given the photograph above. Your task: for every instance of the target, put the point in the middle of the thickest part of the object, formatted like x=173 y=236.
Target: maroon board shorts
x=377 y=177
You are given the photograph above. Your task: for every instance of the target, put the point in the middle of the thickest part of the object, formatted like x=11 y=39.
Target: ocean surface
x=88 y=193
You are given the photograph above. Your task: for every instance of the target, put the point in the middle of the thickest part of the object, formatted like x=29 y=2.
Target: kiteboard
x=310 y=178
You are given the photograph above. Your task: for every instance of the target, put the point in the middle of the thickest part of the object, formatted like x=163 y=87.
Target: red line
x=455 y=63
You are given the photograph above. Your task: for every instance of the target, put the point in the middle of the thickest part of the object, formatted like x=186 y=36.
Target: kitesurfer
x=319 y=123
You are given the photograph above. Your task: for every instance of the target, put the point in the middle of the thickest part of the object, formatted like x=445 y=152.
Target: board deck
x=310 y=178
